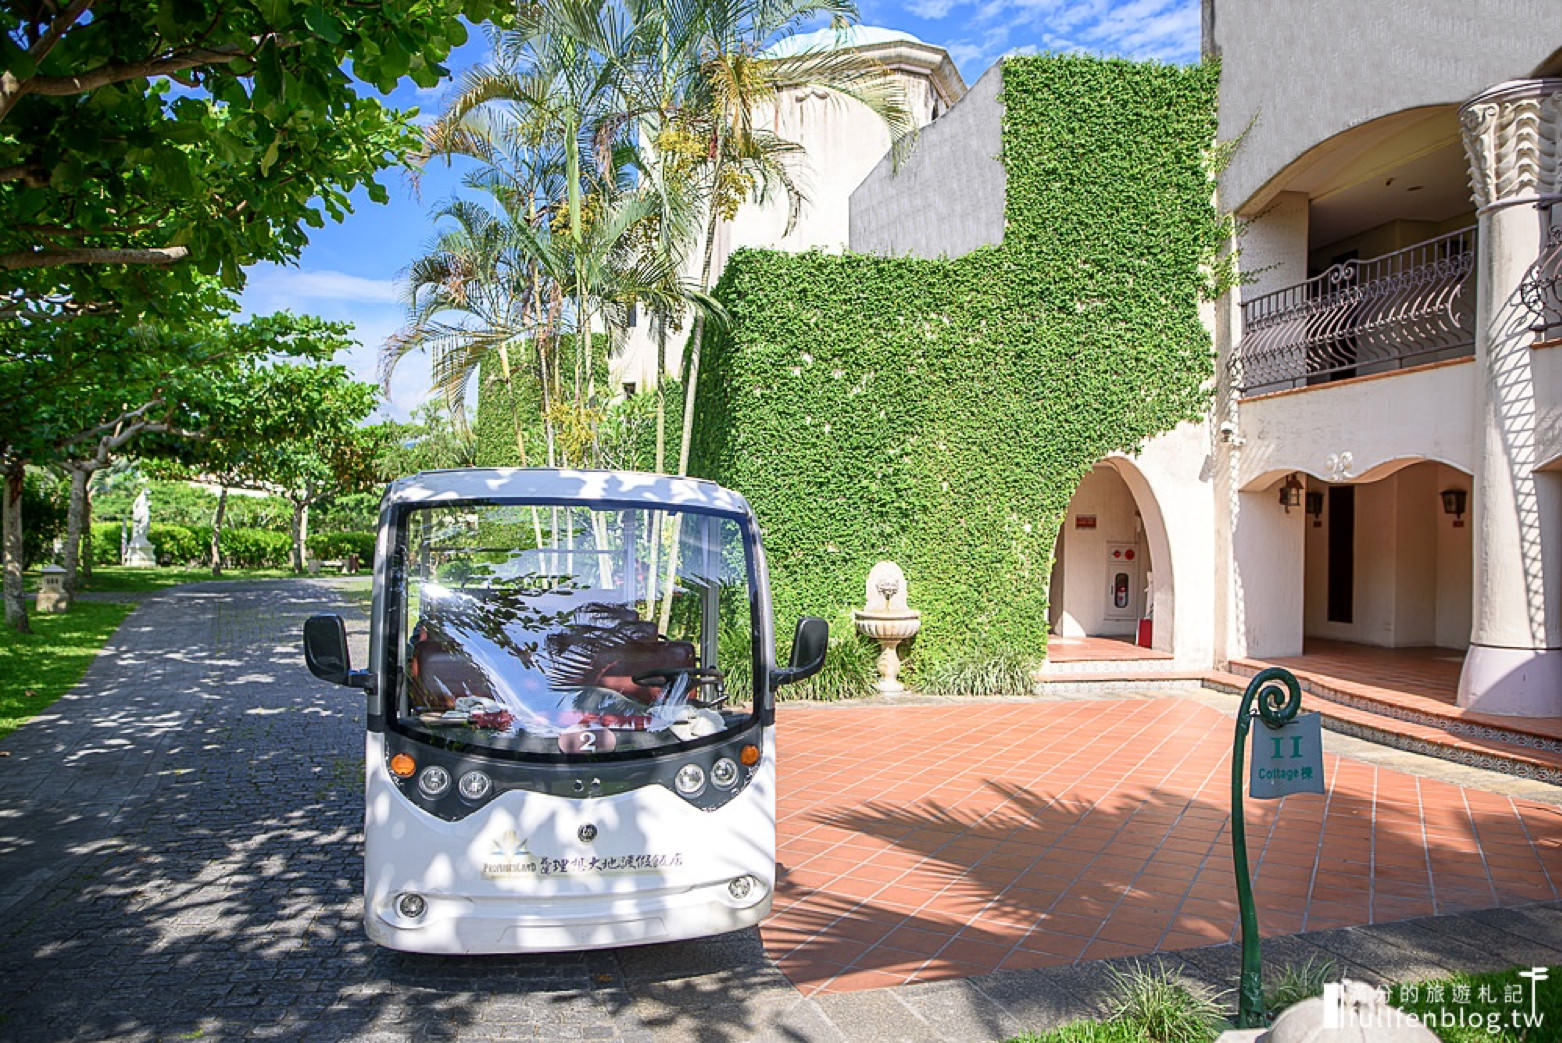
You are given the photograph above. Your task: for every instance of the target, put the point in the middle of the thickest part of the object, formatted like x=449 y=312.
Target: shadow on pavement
x=181 y=857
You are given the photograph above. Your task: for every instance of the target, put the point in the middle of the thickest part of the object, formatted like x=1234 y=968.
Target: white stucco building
x=1383 y=467
x=1380 y=480
x=1393 y=353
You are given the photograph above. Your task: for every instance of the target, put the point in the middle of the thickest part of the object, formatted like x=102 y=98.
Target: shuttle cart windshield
x=558 y=630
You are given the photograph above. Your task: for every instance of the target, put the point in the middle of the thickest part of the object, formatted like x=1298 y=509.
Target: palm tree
x=470 y=297
x=708 y=127
x=558 y=240
x=701 y=92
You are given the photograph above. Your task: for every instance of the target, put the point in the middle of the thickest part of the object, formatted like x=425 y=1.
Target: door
x=1124 y=584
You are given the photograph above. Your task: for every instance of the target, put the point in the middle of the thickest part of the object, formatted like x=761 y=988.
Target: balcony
x=1376 y=315
x=1541 y=290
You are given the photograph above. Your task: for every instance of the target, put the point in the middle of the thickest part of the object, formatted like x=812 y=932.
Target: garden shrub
x=256 y=548
x=941 y=413
x=45 y=501
x=191 y=545
x=105 y=543
x=330 y=546
x=179 y=544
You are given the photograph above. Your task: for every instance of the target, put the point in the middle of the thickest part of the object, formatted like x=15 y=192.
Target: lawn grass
x=120 y=579
x=1489 y=1021
x=38 y=668
x=1089 y=1032
x=1453 y=1017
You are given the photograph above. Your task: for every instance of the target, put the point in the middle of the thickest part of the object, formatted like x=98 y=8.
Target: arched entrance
x=1385 y=562
x=1111 y=573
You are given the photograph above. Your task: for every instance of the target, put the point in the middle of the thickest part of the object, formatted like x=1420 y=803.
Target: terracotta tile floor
x=1420 y=679
x=1430 y=672
x=926 y=842
x=1089 y=649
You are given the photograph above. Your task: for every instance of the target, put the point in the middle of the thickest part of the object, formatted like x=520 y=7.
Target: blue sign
x=1287 y=759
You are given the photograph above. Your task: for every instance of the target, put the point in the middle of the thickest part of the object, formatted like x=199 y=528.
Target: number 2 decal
x=588 y=742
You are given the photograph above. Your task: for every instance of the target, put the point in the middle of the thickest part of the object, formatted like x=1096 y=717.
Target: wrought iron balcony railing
x=1369 y=316
x=1541 y=290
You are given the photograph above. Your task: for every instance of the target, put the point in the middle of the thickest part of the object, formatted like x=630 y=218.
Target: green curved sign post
x=1287 y=758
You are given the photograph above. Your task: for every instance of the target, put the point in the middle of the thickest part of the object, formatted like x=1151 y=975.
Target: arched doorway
x=1386 y=563
x=1111 y=583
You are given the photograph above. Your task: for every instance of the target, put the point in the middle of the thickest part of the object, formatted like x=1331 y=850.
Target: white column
x=1513 y=136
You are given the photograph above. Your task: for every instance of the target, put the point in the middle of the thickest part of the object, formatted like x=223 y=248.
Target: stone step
x=1451 y=734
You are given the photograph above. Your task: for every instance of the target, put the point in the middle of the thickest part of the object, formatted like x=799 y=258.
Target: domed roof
x=828 y=39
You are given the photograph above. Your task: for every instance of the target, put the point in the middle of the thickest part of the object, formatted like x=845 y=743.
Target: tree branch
x=12 y=88
x=30 y=174
x=103 y=75
x=45 y=258
x=128 y=416
x=57 y=28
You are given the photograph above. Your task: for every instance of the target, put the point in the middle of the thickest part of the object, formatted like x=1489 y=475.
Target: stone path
x=180 y=858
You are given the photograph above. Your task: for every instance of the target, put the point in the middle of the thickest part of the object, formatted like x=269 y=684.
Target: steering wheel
x=698 y=676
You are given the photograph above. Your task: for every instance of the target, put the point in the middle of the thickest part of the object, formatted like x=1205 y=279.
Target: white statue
x=141 y=517
x=140 y=554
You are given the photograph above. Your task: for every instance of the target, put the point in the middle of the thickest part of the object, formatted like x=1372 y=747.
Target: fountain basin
x=888 y=626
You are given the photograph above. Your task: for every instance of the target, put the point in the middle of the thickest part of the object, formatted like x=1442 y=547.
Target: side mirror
x=810 y=642
x=325 y=652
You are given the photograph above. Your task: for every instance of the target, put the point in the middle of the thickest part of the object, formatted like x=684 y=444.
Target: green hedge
x=257 y=548
x=941 y=413
x=191 y=545
x=179 y=544
x=330 y=546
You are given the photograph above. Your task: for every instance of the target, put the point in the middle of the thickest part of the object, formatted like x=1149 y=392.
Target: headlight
x=411 y=905
x=474 y=786
x=724 y=773
x=690 y=779
x=433 y=781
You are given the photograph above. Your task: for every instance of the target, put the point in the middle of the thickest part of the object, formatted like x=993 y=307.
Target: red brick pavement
x=925 y=842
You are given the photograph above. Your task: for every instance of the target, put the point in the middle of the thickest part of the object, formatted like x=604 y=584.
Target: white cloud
x=1166 y=30
x=373 y=308
x=285 y=285
x=933 y=9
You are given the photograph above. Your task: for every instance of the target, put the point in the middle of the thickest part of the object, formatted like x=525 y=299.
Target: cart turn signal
x=402 y=766
x=749 y=755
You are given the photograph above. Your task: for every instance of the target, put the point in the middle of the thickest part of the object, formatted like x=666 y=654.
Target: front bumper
x=516 y=876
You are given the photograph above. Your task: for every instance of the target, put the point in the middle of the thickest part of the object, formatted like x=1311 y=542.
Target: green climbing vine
x=941 y=413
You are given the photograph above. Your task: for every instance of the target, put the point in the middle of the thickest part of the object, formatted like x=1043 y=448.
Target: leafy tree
x=143 y=143
x=243 y=407
x=130 y=383
x=319 y=449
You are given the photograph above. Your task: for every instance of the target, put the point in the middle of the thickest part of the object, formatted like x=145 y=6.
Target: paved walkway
x=180 y=857
x=921 y=843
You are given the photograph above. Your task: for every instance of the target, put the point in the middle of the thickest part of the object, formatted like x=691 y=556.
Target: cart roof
x=552 y=485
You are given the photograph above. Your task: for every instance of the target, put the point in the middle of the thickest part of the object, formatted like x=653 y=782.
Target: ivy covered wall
x=941 y=413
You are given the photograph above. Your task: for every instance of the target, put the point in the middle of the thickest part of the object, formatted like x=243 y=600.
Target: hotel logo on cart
x=509 y=857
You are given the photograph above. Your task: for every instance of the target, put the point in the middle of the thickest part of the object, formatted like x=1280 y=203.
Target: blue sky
x=351 y=271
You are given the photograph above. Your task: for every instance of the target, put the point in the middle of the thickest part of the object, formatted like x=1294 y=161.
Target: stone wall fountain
x=886 y=618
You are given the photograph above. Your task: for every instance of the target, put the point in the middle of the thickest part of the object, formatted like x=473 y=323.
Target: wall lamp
x=1454 y=502
x=1314 y=500
x=1291 y=493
